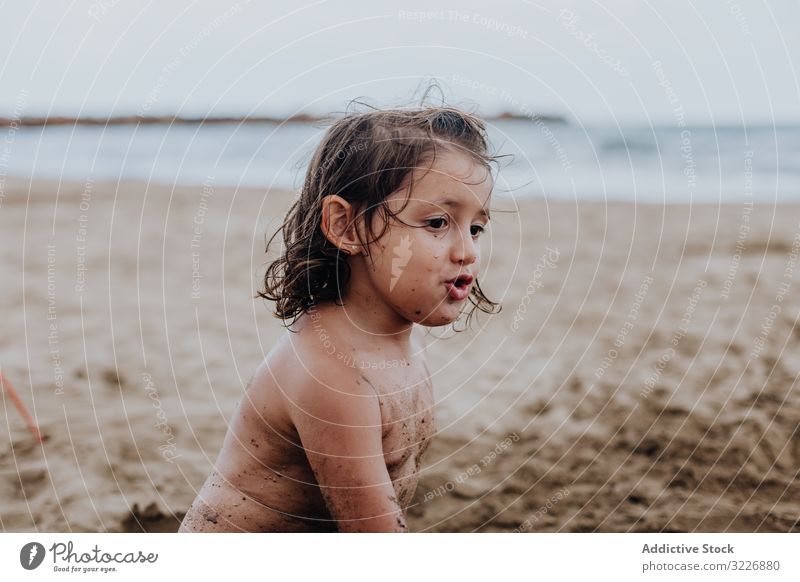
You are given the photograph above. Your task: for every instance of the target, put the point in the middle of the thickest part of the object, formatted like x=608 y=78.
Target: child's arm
x=339 y=423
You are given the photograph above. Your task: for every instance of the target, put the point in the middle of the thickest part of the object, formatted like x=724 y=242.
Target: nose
x=464 y=248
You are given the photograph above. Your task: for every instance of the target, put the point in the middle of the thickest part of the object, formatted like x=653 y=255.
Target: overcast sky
x=721 y=61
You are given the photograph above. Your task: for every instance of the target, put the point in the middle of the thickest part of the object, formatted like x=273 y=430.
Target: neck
x=367 y=312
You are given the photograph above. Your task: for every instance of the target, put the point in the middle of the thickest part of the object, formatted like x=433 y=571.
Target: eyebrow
x=458 y=204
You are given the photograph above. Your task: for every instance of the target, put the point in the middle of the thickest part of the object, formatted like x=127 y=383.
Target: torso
x=262 y=480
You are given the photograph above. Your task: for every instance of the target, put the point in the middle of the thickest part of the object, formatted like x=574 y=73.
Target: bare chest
x=407 y=414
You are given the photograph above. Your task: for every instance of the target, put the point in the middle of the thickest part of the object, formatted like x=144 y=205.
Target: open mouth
x=459 y=287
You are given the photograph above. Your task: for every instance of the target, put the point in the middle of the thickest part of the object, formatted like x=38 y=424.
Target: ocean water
x=657 y=164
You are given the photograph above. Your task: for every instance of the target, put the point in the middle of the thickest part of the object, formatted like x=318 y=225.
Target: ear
x=338 y=224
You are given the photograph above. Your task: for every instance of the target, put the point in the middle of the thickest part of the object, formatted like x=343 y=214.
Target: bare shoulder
x=299 y=382
x=306 y=367
x=330 y=391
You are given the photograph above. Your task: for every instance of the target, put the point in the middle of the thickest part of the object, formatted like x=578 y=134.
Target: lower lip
x=457 y=293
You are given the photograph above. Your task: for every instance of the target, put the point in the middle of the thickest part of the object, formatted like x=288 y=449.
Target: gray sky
x=721 y=61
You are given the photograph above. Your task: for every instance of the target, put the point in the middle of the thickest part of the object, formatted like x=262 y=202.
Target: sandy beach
x=642 y=376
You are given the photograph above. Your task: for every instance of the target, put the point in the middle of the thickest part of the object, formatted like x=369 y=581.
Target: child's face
x=425 y=271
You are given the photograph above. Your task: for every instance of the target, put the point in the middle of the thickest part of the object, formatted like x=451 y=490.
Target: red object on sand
x=9 y=389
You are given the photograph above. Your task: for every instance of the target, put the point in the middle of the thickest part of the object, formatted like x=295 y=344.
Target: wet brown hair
x=363 y=157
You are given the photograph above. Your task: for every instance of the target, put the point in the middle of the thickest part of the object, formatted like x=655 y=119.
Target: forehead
x=453 y=176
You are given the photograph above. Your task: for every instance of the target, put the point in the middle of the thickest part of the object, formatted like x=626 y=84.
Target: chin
x=440 y=317
x=435 y=322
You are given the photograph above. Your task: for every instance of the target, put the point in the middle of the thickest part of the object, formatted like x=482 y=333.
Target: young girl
x=330 y=434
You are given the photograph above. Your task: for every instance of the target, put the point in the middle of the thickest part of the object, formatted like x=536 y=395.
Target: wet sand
x=641 y=377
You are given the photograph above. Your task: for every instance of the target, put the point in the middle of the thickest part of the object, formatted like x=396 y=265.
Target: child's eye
x=477 y=230
x=437 y=223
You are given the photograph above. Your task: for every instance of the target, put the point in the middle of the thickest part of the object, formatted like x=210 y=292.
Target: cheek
x=431 y=248
x=426 y=260
x=412 y=250
x=408 y=263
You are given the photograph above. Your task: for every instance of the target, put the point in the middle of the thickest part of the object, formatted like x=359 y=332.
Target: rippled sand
x=638 y=379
